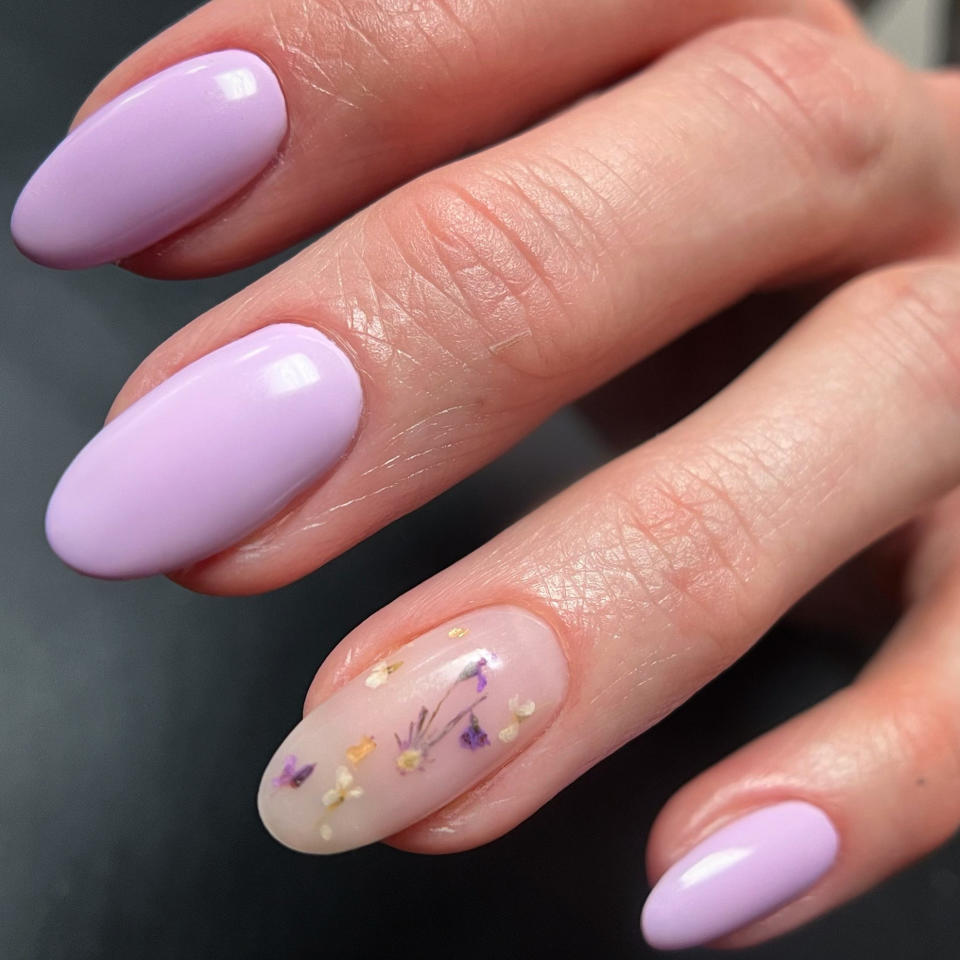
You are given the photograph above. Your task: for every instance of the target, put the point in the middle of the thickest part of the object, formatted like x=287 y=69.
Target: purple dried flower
x=474 y=736
x=291 y=776
x=475 y=669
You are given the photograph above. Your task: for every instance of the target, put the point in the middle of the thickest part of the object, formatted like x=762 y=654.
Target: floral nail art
x=475 y=669
x=520 y=711
x=413 y=750
x=344 y=788
x=414 y=727
x=291 y=775
x=356 y=753
x=342 y=791
x=474 y=736
x=380 y=673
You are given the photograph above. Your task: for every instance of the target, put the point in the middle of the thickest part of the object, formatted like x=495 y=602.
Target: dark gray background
x=137 y=717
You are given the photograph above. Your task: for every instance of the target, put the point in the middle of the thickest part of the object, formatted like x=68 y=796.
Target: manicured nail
x=744 y=871
x=208 y=456
x=414 y=730
x=153 y=160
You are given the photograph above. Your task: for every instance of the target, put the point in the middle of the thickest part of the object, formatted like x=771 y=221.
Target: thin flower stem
x=436 y=709
x=433 y=716
x=452 y=723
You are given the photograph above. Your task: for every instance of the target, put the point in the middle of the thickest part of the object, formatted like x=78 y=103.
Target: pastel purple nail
x=208 y=456
x=744 y=871
x=153 y=160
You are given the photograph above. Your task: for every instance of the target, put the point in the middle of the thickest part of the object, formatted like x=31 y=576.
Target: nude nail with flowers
x=414 y=730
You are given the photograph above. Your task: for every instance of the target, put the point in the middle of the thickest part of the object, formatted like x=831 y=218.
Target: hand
x=419 y=339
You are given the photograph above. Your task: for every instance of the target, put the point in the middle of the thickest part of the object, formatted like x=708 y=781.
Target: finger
x=653 y=574
x=478 y=299
x=286 y=116
x=876 y=768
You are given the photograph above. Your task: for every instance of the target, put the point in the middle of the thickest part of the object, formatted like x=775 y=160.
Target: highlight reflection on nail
x=414 y=731
x=207 y=456
x=155 y=159
x=747 y=869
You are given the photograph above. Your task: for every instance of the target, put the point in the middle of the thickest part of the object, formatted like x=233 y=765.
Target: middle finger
x=478 y=299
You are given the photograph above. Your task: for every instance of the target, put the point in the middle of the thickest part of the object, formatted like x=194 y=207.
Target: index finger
x=181 y=177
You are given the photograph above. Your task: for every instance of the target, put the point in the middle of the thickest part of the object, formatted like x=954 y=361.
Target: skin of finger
x=660 y=569
x=469 y=330
x=932 y=545
x=376 y=92
x=881 y=758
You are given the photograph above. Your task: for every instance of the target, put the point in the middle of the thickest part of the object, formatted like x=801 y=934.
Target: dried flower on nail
x=520 y=711
x=475 y=669
x=414 y=748
x=356 y=753
x=380 y=673
x=343 y=789
x=291 y=775
x=474 y=736
x=409 y=759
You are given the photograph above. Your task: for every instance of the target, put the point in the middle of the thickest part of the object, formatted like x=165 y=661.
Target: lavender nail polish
x=744 y=871
x=208 y=456
x=152 y=161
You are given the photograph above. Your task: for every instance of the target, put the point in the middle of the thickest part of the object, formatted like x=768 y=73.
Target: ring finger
x=595 y=616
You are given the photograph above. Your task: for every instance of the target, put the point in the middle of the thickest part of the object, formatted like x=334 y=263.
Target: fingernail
x=744 y=871
x=151 y=161
x=413 y=731
x=208 y=456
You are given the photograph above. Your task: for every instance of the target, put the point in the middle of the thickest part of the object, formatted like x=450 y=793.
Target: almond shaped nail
x=414 y=731
x=208 y=456
x=153 y=160
x=742 y=872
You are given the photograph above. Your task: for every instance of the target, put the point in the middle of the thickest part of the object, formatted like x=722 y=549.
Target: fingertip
x=745 y=870
x=159 y=156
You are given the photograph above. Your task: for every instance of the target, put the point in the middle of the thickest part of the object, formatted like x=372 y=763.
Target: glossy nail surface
x=208 y=456
x=414 y=730
x=744 y=871
x=151 y=161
